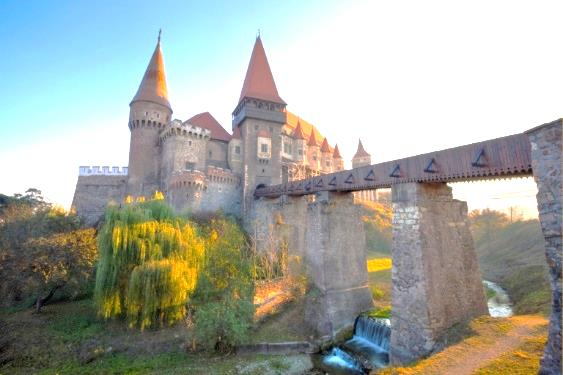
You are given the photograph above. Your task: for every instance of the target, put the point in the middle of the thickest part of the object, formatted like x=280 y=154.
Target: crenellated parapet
x=188 y=179
x=185 y=129
x=96 y=170
x=222 y=176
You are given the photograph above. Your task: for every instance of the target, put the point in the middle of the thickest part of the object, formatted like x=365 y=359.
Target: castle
x=197 y=164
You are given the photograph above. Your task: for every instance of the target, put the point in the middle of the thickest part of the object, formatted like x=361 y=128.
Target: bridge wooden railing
x=496 y=158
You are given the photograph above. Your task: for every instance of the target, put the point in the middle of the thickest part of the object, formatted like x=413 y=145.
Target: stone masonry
x=435 y=275
x=326 y=243
x=546 y=164
x=335 y=261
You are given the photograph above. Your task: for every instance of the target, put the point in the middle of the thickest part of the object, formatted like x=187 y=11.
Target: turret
x=235 y=151
x=326 y=157
x=361 y=157
x=300 y=144
x=260 y=117
x=313 y=151
x=149 y=113
x=337 y=160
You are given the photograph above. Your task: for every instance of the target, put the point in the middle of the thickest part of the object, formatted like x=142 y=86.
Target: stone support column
x=546 y=165
x=335 y=259
x=435 y=275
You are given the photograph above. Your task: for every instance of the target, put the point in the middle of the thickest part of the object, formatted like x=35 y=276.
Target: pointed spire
x=153 y=86
x=259 y=81
x=312 y=139
x=325 y=147
x=336 y=154
x=360 y=153
x=298 y=132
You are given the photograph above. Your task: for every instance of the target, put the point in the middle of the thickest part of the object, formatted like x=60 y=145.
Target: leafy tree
x=223 y=298
x=149 y=260
x=485 y=223
x=42 y=250
x=59 y=261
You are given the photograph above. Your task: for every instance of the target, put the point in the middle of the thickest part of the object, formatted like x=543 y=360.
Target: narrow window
x=237 y=150
x=264 y=148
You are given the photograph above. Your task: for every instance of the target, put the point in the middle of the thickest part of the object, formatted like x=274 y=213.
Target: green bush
x=223 y=298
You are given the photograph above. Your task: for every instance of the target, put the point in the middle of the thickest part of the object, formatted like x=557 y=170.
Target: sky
x=408 y=77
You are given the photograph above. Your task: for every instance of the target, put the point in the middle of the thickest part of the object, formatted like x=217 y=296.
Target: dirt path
x=476 y=352
x=475 y=357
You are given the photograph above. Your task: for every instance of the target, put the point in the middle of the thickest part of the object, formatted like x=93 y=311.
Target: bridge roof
x=496 y=158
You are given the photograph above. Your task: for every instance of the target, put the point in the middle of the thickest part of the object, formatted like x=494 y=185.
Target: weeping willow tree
x=149 y=262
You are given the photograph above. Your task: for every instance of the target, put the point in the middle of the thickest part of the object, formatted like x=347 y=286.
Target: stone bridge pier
x=546 y=142
x=436 y=277
x=325 y=233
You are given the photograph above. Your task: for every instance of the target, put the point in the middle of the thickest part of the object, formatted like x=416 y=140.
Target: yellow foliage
x=128 y=199
x=140 y=198
x=158 y=196
x=379 y=264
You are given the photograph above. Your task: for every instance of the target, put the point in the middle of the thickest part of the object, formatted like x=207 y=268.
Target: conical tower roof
x=325 y=147
x=298 y=132
x=336 y=154
x=360 y=153
x=153 y=87
x=312 y=139
x=259 y=81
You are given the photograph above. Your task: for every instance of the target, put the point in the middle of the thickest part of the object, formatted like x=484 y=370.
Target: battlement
x=102 y=171
x=178 y=128
x=188 y=179
x=221 y=175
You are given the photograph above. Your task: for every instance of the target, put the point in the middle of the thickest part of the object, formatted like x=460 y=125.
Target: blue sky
x=408 y=77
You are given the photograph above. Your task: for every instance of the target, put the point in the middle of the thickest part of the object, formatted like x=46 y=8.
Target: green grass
x=51 y=343
x=529 y=290
x=514 y=258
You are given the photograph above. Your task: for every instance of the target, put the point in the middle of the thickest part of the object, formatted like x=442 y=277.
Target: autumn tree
x=42 y=250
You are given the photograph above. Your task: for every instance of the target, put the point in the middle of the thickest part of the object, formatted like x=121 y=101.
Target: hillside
x=513 y=256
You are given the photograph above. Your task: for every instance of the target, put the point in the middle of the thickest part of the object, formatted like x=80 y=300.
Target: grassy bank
x=68 y=338
x=513 y=256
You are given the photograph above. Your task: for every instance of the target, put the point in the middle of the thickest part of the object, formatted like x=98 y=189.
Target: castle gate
x=435 y=276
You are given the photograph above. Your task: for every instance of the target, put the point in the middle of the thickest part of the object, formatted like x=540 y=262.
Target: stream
x=369 y=346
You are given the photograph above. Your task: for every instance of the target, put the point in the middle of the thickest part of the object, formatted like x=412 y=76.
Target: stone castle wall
x=94 y=192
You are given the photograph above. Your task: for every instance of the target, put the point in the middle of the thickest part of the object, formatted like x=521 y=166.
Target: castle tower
x=300 y=144
x=337 y=160
x=235 y=151
x=362 y=157
x=260 y=117
x=326 y=157
x=313 y=151
x=149 y=112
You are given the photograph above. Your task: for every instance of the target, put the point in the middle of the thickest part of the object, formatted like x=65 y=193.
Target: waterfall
x=376 y=331
x=367 y=349
x=340 y=362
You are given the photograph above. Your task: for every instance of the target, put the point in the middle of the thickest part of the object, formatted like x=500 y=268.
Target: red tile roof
x=312 y=139
x=325 y=147
x=153 y=86
x=361 y=152
x=259 y=81
x=207 y=121
x=336 y=154
x=298 y=132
